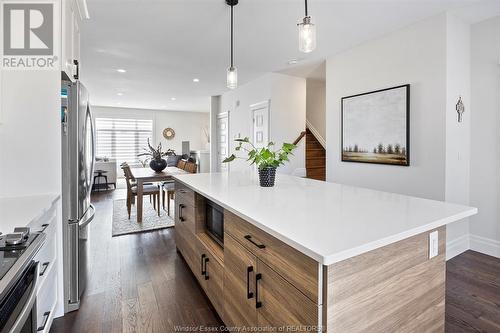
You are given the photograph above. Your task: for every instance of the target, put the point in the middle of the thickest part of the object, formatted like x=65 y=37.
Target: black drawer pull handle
x=249 y=293
x=181 y=218
x=46 y=316
x=258 y=304
x=44 y=226
x=45 y=265
x=202 y=264
x=206 y=270
x=249 y=238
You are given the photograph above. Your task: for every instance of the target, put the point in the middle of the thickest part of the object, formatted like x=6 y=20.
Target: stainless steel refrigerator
x=78 y=156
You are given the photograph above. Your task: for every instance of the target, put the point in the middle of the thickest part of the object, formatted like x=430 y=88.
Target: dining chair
x=191 y=167
x=148 y=189
x=182 y=164
x=168 y=188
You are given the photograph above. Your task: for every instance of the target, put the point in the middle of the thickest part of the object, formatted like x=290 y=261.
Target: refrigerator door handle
x=84 y=223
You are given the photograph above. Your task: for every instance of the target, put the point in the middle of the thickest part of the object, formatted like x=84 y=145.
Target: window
x=122 y=139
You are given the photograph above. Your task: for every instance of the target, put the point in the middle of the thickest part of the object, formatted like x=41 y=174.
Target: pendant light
x=232 y=72
x=307 y=33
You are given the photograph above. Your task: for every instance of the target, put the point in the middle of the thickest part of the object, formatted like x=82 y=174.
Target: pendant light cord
x=307 y=14
x=232 y=36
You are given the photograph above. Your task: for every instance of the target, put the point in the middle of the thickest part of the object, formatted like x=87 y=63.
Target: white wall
x=316 y=105
x=288 y=113
x=458 y=135
x=188 y=126
x=485 y=152
x=414 y=55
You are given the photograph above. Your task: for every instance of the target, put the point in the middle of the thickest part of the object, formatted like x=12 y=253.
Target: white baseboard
x=457 y=246
x=472 y=242
x=485 y=245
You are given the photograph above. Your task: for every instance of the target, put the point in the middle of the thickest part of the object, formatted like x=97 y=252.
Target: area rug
x=122 y=225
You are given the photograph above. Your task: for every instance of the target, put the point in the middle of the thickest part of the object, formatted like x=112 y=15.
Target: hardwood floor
x=473 y=293
x=139 y=283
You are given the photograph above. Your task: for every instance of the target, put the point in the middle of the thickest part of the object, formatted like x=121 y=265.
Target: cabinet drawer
x=46 y=300
x=184 y=213
x=281 y=304
x=47 y=258
x=186 y=243
x=186 y=192
x=300 y=270
x=214 y=279
x=239 y=287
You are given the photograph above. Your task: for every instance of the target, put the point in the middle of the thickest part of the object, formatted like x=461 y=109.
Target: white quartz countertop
x=327 y=221
x=21 y=211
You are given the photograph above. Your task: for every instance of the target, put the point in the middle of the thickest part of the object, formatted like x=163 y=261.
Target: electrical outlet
x=433 y=244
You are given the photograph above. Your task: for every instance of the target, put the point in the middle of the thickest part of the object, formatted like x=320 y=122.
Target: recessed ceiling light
x=121 y=70
x=120 y=94
x=196 y=80
x=293 y=61
x=173 y=98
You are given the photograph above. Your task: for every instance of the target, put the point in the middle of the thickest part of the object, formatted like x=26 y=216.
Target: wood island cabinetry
x=258 y=281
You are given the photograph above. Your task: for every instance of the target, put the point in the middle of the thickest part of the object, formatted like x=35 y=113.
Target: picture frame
x=375 y=127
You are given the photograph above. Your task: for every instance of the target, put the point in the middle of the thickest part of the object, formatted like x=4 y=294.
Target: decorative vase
x=267 y=176
x=158 y=165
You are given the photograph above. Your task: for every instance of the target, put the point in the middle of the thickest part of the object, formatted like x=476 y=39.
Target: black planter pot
x=267 y=176
x=158 y=165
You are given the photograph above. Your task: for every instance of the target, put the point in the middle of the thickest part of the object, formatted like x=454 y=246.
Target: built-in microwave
x=214 y=221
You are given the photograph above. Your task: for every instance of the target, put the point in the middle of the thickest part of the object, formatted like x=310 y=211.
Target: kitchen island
x=308 y=254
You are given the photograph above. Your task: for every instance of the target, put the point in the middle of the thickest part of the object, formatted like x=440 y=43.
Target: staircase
x=315 y=158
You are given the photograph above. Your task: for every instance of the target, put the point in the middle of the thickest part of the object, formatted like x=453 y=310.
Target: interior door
x=222 y=140
x=240 y=308
x=260 y=113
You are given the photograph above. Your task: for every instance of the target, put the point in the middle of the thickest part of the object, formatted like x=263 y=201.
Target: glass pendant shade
x=307 y=35
x=232 y=77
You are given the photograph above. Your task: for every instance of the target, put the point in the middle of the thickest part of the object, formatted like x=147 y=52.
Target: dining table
x=147 y=175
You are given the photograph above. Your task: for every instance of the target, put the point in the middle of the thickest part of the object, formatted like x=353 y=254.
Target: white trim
x=457 y=246
x=485 y=245
x=219 y=116
x=258 y=106
x=472 y=242
x=316 y=134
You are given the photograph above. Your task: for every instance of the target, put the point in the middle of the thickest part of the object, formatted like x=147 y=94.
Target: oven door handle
x=26 y=311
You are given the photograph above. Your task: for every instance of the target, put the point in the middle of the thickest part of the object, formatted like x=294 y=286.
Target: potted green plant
x=266 y=159
x=155 y=157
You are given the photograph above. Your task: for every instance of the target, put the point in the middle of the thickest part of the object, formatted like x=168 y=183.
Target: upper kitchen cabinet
x=73 y=13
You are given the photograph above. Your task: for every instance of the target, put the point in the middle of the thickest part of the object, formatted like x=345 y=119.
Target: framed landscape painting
x=376 y=127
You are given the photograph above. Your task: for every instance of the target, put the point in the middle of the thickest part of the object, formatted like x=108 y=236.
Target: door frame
x=220 y=116
x=258 y=106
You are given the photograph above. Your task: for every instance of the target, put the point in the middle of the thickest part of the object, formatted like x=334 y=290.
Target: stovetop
x=10 y=253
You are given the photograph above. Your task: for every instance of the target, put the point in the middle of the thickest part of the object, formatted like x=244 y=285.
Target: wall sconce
x=460 y=109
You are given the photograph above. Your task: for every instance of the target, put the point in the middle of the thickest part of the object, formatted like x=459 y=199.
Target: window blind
x=122 y=138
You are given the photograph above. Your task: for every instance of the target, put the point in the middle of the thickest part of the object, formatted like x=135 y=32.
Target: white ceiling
x=164 y=44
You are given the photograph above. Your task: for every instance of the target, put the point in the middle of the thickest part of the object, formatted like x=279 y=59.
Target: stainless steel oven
x=18 y=304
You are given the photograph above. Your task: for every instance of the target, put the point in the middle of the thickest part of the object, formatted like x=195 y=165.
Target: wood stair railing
x=301 y=135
